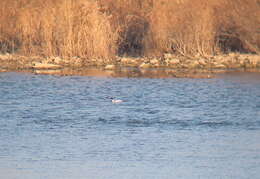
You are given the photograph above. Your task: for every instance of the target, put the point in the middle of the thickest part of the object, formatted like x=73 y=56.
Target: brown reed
x=106 y=28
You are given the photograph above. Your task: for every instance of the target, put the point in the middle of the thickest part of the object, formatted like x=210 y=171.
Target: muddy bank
x=166 y=66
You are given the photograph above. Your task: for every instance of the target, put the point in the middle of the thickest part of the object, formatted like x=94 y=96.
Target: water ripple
x=198 y=128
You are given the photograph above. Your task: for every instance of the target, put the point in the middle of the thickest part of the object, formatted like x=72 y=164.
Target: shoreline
x=168 y=66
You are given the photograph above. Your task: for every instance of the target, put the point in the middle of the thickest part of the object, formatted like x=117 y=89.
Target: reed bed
x=107 y=28
x=56 y=28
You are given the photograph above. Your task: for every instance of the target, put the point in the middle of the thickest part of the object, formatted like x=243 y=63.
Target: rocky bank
x=169 y=64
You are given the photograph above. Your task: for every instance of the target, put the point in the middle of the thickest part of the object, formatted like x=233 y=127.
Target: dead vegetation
x=106 y=28
x=56 y=28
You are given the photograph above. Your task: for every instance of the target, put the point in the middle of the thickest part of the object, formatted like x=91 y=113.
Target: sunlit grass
x=106 y=28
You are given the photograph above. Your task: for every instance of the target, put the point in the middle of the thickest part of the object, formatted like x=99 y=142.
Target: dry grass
x=105 y=28
x=205 y=27
x=58 y=28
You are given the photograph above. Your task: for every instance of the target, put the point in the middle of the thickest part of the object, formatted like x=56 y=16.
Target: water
x=66 y=127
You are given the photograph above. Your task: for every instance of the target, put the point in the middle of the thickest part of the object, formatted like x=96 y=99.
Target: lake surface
x=67 y=127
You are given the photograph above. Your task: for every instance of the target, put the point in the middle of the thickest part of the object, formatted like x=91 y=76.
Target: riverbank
x=167 y=66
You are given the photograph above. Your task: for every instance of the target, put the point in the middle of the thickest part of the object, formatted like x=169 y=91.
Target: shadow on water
x=179 y=124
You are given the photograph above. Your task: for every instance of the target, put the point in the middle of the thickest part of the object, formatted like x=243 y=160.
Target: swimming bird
x=115 y=101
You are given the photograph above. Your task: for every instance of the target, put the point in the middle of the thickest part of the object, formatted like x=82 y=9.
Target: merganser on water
x=115 y=101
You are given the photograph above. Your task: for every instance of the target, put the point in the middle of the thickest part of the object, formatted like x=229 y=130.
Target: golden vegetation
x=192 y=27
x=56 y=28
x=105 y=28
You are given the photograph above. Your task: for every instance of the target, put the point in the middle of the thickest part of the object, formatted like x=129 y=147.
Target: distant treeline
x=106 y=28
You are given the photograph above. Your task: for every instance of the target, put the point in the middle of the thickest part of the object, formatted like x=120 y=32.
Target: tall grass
x=57 y=27
x=192 y=27
x=105 y=28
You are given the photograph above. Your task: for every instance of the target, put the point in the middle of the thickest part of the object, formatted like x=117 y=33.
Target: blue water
x=67 y=127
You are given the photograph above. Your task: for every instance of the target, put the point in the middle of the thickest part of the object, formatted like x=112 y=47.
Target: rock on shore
x=39 y=65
